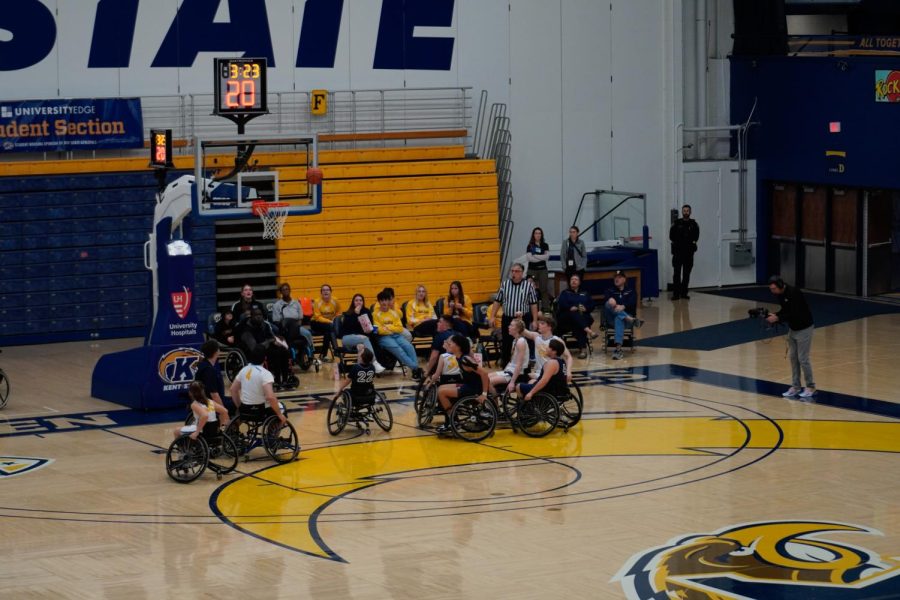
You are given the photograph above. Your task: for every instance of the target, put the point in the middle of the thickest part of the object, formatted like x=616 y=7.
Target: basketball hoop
x=273 y=215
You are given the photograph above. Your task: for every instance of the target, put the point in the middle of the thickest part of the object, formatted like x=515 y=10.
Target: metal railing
x=492 y=139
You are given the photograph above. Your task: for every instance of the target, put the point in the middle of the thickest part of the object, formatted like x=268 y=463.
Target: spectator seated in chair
x=245 y=304
x=420 y=315
x=574 y=308
x=325 y=310
x=389 y=291
x=224 y=329
x=357 y=327
x=287 y=316
x=389 y=328
x=619 y=310
x=459 y=306
x=255 y=333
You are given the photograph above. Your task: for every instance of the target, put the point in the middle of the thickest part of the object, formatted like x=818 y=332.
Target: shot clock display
x=161 y=148
x=240 y=86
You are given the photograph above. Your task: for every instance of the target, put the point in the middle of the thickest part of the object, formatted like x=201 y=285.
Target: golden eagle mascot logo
x=761 y=561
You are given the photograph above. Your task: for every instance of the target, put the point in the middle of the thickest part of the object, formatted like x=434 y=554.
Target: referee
x=519 y=301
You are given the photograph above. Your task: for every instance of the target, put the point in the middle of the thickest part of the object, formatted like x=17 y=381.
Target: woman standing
x=573 y=255
x=538 y=252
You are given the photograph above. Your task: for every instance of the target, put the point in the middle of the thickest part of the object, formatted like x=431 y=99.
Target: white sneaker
x=378 y=368
x=808 y=393
x=791 y=392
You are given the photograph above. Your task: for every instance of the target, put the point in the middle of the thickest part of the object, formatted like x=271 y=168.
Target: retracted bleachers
x=71 y=254
x=397 y=218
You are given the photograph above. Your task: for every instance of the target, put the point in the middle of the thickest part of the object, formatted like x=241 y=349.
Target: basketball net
x=273 y=216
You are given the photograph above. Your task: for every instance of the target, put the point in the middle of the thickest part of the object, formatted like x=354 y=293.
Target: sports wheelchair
x=468 y=418
x=544 y=412
x=256 y=428
x=233 y=358
x=4 y=387
x=345 y=408
x=187 y=459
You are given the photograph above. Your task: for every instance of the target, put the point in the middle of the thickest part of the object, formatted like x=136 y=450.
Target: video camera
x=758 y=313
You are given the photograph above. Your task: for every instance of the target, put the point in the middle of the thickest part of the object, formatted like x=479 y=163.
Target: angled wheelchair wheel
x=4 y=388
x=223 y=455
x=381 y=412
x=572 y=407
x=338 y=413
x=239 y=432
x=472 y=420
x=280 y=440
x=186 y=459
x=428 y=407
x=509 y=404
x=234 y=362
x=538 y=417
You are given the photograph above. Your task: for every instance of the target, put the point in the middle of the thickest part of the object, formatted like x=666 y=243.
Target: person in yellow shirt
x=459 y=306
x=420 y=315
x=325 y=309
x=389 y=328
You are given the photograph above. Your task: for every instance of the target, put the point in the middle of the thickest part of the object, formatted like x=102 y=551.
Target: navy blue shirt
x=209 y=375
x=440 y=337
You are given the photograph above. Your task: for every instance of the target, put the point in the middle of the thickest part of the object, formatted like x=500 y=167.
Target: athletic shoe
x=791 y=392
x=618 y=354
x=417 y=374
x=676 y=297
x=807 y=393
x=582 y=354
x=686 y=297
x=594 y=335
x=638 y=323
x=442 y=429
x=378 y=368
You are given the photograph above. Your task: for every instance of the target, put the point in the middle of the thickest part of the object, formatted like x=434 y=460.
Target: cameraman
x=795 y=312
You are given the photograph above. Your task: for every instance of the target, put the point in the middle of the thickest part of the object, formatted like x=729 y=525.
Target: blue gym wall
x=797 y=98
x=71 y=257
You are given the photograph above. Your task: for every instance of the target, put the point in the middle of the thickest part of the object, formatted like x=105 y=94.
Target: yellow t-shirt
x=462 y=312
x=418 y=312
x=388 y=321
x=325 y=312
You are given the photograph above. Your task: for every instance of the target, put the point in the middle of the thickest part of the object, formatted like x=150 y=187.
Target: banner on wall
x=887 y=86
x=71 y=124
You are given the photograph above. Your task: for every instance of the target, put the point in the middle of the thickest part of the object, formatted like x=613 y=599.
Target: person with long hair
x=518 y=364
x=356 y=327
x=537 y=254
x=325 y=310
x=475 y=380
x=572 y=254
x=458 y=305
x=420 y=315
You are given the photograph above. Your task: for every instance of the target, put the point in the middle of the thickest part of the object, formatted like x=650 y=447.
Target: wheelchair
x=468 y=418
x=252 y=430
x=4 y=387
x=544 y=412
x=187 y=459
x=345 y=409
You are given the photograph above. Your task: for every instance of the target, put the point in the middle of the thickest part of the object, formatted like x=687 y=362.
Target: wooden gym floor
x=689 y=475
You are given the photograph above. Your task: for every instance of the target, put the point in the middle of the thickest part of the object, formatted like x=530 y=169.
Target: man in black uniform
x=208 y=374
x=795 y=312
x=684 y=235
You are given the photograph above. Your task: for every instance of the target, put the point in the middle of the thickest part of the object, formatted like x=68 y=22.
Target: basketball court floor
x=689 y=477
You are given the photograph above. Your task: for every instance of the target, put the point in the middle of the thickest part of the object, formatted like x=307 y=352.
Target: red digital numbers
x=240 y=94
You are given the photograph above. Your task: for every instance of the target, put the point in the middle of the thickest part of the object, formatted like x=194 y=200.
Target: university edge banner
x=71 y=124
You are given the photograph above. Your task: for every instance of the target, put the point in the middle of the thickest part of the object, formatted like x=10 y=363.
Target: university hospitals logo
x=181 y=302
x=6 y=112
x=779 y=559
x=11 y=466
x=179 y=365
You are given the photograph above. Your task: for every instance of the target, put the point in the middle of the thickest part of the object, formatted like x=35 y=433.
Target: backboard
x=234 y=172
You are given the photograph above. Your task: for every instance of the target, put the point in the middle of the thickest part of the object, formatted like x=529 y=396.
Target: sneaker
x=618 y=354
x=791 y=392
x=685 y=296
x=637 y=323
x=378 y=368
x=807 y=393
x=443 y=429
x=582 y=354
x=418 y=374
x=594 y=335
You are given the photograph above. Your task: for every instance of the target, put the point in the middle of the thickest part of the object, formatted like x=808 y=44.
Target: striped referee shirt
x=516 y=297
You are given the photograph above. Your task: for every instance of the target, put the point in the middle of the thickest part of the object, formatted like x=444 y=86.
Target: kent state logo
x=179 y=365
x=181 y=302
x=779 y=559
x=10 y=466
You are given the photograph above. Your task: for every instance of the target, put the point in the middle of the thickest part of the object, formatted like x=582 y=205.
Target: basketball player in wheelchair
x=261 y=420
x=548 y=401
x=468 y=413
x=361 y=403
x=201 y=444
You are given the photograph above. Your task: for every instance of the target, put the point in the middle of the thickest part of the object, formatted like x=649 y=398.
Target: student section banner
x=71 y=124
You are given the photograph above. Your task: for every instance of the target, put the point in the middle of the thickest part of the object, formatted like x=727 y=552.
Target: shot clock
x=240 y=86
x=161 y=148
